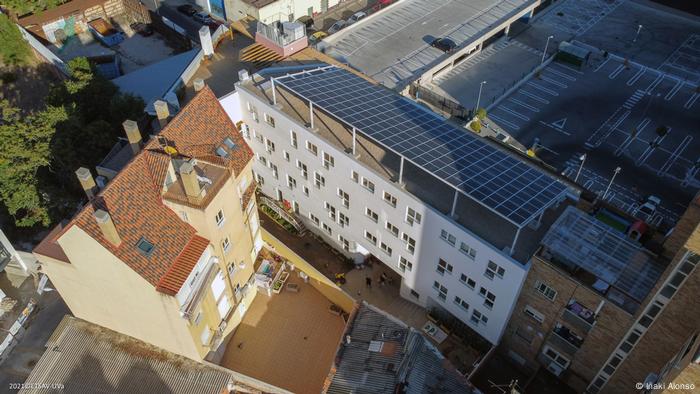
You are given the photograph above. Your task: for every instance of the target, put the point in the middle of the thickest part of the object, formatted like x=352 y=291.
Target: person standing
x=368 y=282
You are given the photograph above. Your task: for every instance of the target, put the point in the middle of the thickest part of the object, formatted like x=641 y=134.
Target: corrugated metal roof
x=405 y=356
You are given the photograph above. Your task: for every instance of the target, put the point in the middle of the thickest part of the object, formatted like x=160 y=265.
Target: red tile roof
x=133 y=198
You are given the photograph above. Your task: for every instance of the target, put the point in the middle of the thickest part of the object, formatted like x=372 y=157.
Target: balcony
x=565 y=340
x=200 y=287
x=579 y=317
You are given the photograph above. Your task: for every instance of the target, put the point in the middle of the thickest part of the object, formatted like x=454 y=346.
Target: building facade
x=614 y=317
x=363 y=204
x=164 y=252
x=268 y=11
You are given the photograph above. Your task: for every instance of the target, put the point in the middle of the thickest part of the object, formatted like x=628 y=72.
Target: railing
x=274 y=205
x=442 y=103
x=562 y=343
x=578 y=322
x=199 y=289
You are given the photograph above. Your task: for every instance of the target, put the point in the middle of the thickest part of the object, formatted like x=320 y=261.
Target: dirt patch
x=26 y=87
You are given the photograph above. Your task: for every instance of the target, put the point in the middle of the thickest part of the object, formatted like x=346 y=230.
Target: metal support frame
x=311 y=114
x=274 y=95
x=354 y=142
x=515 y=240
x=401 y=173
x=454 y=203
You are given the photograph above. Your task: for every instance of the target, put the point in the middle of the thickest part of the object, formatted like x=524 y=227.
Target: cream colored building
x=164 y=252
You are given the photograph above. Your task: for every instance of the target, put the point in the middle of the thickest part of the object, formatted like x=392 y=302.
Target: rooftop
x=85 y=357
x=399 y=139
x=394 y=47
x=384 y=354
x=616 y=266
x=287 y=339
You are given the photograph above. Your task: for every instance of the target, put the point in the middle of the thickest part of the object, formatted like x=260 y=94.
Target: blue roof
x=153 y=81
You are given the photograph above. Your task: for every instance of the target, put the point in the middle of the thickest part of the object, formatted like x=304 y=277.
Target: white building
x=455 y=253
x=268 y=11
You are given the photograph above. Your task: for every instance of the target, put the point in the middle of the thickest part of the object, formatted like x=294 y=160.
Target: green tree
x=24 y=151
x=14 y=50
x=21 y=7
x=481 y=113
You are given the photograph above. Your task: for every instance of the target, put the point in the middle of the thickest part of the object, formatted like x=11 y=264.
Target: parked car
x=444 y=44
x=356 y=17
x=187 y=9
x=647 y=210
x=318 y=36
x=203 y=18
x=307 y=21
x=337 y=26
x=142 y=29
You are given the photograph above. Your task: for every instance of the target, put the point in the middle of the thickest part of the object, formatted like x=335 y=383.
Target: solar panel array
x=498 y=180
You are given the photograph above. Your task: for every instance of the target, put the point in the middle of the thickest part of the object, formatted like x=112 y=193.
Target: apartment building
x=457 y=217
x=268 y=11
x=164 y=252
x=604 y=313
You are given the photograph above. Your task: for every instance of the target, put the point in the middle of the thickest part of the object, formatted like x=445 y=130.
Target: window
x=206 y=335
x=312 y=148
x=332 y=213
x=285 y=154
x=343 y=220
x=302 y=168
x=467 y=250
x=291 y=182
x=245 y=131
x=344 y=242
x=413 y=217
x=319 y=180
x=145 y=246
x=262 y=159
x=533 y=313
x=372 y=215
x=556 y=357
x=328 y=161
x=405 y=265
x=385 y=248
x=391 y=200
x=354 y=176
x=525 y=334
x=461 y=303
x=270 y=120
x=443 y=266
x=314 y=219
x=392 y=229
x=219 y=218
x=410 y=243
x=415 y=294
x=489 y=297
x=226 y=245
x=545 y=290
x=367 y=184
x=269 y=146
x=305 y=189
x=467 y=281
x=442 y=290
x=293 y=138
x=260 y=179
x=492 y=269
x=478 y=317
x=259 y=137
x=371 y=238
x=327 y=228
x=345 y=197
x=198 y=318
x=447 y=237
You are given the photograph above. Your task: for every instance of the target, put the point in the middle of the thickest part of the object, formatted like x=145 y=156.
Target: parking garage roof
x=393 y=47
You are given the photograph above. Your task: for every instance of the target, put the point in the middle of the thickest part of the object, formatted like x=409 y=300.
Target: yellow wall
x=100 y=288
x=319 y=281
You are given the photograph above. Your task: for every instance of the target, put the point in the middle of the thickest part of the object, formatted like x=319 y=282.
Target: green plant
x=8 y=77
x=481 y=113
x=475 y=125
x=14 y=50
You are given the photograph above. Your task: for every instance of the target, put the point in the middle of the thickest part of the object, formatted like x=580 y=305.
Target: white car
x=337 y=26
x=647 y=210
x=356 y=17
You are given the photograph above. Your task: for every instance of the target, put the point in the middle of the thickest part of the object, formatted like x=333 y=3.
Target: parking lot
x=618 y=114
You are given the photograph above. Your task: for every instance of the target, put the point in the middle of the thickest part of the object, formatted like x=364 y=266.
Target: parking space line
x=601 y=65
x=543 y=89
x=514 y=113
x=636 y=76
x=561 y=74
x=691 y=101
x=632 y=136
x=520 y=103
x=594 y=141
x=553 y=82
x=675 y=90
x=503 y=121
x=656 y=82
x=677 y=152
x=650 y=149
x=533 y=96
x=567 y=68
x=616 y=72
x=555 y=128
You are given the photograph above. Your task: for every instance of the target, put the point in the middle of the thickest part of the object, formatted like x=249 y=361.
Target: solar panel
x=516 y=190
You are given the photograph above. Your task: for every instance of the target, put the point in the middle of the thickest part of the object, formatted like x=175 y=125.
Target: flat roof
x=394 y=47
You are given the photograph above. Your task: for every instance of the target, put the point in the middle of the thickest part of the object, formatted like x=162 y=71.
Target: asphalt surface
x=169 y=10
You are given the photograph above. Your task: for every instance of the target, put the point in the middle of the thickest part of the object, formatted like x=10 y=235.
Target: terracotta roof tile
x=134 y=201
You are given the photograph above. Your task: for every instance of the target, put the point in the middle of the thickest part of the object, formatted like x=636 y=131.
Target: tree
x=475 y=125
x=14 y=50
x=24 y=150
x=22 y=7
x=481 y=113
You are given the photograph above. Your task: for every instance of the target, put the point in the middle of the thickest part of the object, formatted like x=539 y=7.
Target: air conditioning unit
x=555 y=368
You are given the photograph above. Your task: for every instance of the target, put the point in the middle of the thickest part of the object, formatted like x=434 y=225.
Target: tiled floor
x=288 y=340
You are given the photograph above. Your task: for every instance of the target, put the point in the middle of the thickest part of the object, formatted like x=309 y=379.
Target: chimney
x=189 y=180
x=109 y=231
x=86 y=181
x=133 y=135
x=162 y=112
x=206 y=41
x=198 y=84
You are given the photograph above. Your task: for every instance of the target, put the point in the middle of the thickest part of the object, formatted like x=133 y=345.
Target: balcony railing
x=562 y=340
x=579 y=317
x=199 y=288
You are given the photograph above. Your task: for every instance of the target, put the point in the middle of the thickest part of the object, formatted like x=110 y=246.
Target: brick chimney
x=198 y=84
x=109 y=231
x=162 y=112
x=189 y=180
x=133 y=135
x=86 y=181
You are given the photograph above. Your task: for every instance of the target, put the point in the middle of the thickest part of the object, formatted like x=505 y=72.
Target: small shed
x=572 y=54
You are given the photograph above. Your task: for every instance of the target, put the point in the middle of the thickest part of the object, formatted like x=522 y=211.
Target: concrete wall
x=429 y=247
